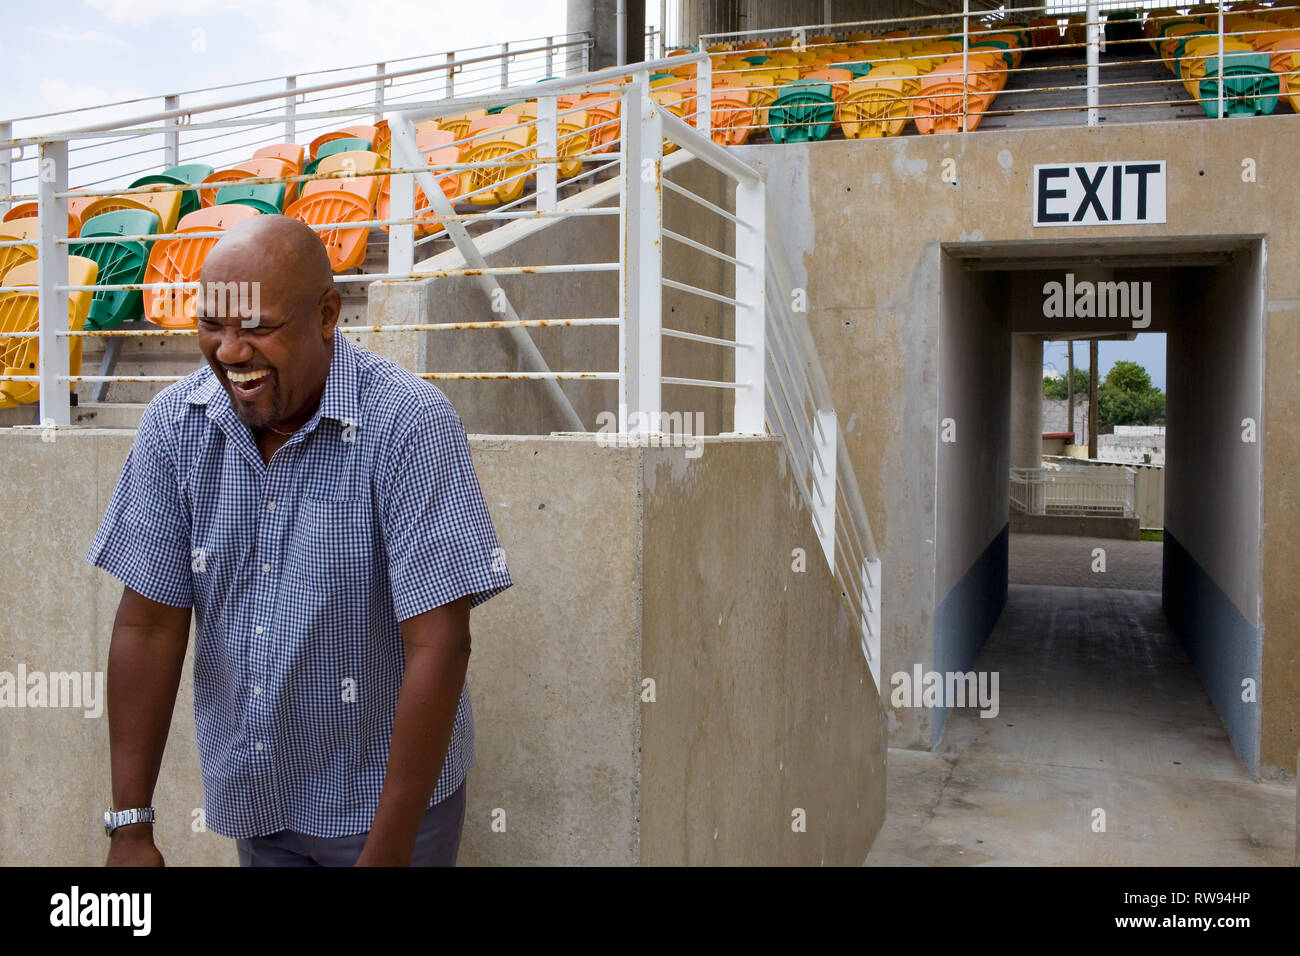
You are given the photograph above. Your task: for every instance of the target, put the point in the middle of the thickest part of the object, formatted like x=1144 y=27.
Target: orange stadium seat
x=181 y=260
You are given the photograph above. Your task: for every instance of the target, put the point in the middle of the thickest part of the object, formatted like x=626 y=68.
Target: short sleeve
x=438 y=533
x=144 y=537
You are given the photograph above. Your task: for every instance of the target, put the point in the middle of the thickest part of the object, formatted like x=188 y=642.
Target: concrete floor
x=1099 y=709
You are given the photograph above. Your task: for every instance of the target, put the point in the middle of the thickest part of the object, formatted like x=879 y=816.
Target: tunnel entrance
x=1167 y=664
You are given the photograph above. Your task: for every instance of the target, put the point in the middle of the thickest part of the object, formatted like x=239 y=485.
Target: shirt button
x=257 y=690
x=266 y=568
x=257 y=746
x=258 y=629
x=270 y=506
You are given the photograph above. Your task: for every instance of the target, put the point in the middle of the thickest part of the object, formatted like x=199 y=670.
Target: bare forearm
x=422 y=728
x=144 y=672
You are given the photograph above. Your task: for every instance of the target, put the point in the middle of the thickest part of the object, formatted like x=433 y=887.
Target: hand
x=133 y=846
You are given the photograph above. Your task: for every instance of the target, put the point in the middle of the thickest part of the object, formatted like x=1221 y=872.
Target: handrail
x=266 y=97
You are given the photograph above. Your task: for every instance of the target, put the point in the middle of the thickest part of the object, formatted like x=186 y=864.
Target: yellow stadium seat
x=18 y=313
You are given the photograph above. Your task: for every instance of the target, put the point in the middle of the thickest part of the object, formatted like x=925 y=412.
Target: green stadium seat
x=802 y=112
x=1250 y=87
x=189 y=174
x=120 y=263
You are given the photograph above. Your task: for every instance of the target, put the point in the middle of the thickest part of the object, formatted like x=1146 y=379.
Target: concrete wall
x=1212 y=494
x=628 y=562
x=867 y=220
x=975 y=402
x=765 y=702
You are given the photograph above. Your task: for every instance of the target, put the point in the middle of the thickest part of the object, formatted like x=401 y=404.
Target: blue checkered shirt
x=299 y=572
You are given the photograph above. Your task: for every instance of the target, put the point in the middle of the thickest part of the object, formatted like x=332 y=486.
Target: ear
x=330 y=305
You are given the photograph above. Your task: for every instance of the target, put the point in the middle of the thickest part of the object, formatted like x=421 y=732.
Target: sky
x=62 y=54
x=1147 y=349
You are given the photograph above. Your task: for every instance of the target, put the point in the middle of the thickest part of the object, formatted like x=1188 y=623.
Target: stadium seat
x=837 y=79
x=291 y=153
x=876 y=106
x=266 y=198
x=493 y=140
x=28 y=210
x=938 y=108
x=356 y=161
x=261 y=168
x=456 y=123
x=364 y=133
x=603 y=110
x=18 y=313
x=345 y=243
x=333 y=147
x=802 y=112
x=732 y=115
x=189 y=174
x=119 y=263
x=1250 y=87
x=571 y=136
x=17 y=229
x=439 y=151
x=181 y=260
x=165 y=205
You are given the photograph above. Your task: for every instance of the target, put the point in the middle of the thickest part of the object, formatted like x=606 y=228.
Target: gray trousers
x=436 y=844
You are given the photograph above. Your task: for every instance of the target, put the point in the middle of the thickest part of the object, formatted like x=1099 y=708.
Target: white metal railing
x=1074 y=490
x=775 y=383
x=306 y=103
x=1064 y=36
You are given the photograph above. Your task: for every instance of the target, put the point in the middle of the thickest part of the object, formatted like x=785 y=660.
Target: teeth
x=241 y=378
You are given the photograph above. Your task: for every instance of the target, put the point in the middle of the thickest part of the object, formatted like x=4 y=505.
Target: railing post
x=825 y=439
x=663 y=28
x=1221 y=84
x=704 y=96
x=750 y=414
x=871 y=617
x=505 y=66
x=6 y=167
x=1094 y=73
x=451 y=75
x=550 y=57
x=379 y=93
x=172 y=139
x=290 y=108
x=548 y=148
x=640 y=269
x=51 y=271
x=401 y=238
x=965 y=61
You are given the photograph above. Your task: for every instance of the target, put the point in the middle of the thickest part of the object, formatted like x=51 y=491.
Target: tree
x=1056 y=387
x=1127 y=397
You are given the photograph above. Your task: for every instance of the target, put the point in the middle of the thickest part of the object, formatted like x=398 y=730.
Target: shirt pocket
x=332 y=549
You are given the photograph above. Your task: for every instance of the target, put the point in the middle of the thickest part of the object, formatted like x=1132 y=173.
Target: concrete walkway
x=1100 y=709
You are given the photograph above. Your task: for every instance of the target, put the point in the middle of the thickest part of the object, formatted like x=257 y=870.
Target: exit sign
x=1096 y=194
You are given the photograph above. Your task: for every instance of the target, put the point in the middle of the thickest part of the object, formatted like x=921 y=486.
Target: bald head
x=279 y=252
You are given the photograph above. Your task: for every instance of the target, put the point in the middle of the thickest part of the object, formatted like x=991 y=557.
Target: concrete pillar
x=1026 y=401
x=600 y=19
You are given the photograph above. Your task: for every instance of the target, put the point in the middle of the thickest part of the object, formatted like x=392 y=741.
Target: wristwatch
x=120 y=818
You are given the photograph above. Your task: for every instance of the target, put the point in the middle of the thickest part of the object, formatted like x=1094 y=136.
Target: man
x=316 y=506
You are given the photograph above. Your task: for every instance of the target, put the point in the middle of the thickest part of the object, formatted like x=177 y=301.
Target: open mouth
x=249 y=384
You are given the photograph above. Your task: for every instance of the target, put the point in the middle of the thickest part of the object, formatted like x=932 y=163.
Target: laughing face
x=268 y=332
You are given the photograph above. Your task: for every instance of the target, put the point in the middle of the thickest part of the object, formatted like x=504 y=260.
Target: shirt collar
x=338 y=401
